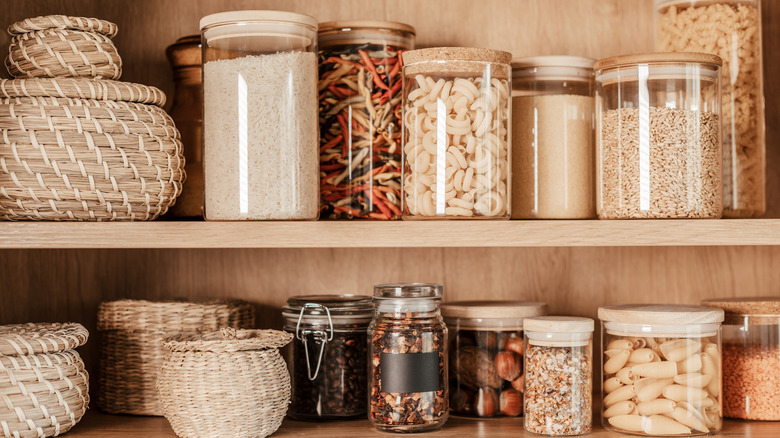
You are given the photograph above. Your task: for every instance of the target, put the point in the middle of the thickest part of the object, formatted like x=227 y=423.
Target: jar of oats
x=730 y=29
x=658 y=149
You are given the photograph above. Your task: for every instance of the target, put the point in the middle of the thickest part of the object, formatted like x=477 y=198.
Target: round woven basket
x=89 y=150
x=54 y=46
x=232 y=383
x=131 y=353
x=44 y=386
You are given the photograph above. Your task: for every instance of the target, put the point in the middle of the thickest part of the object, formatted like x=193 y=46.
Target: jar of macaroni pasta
x=553 y=158
x=457 y=139
x=260 y=135
x=658 y=149
x=730 y=29
x=486 y=355
x=661 y=369
x=558 y=375
x=751 y=357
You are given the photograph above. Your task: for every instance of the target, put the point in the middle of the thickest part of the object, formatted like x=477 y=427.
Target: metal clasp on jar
x=318 y=336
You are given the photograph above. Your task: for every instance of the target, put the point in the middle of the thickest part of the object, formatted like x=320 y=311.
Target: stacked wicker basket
x=77 y=144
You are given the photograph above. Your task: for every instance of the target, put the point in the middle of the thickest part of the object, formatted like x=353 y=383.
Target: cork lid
x=457 y=54
x=660 y=314
x=559 y=324
x=658 y=58
x=760 y=309
x=493 y=309
x=329 y=26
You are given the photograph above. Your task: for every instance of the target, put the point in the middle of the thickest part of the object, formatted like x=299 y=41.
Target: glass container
x=457 y=137
x=689 y=26
x=658 y=136
x=328 y=357
x=661 y=369
x=261 y=158
x=486 y=356
x=408 y=359
x=553 y=157
x=360 y=123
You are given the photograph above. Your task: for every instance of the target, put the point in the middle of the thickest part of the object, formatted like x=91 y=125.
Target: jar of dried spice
x=553 y=158
x=751 y=357
x=486 y=355
x=730 y=29
x=408 y=359
x=457 y=142
x=360 y=118
x=328 y=358
x=558 y=375
x=662 y=369
x=658 y=149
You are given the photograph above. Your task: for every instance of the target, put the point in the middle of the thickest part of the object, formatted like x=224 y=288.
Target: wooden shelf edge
x=411 y=234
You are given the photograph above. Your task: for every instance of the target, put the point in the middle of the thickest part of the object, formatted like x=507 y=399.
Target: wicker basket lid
x=171 y=316
x=82 y=88
x=228 y=340
x=38 y=338
x=44 y=22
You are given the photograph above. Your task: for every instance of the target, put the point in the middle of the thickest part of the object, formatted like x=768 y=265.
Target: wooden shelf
x=356 y=234
x=96 y=424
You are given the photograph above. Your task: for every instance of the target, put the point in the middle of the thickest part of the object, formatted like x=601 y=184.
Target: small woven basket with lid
x=231 y=383
x=54 y=46
x=131 y=353
x=44 y=387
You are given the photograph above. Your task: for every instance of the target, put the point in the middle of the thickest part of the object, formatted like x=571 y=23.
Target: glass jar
x=661 y=369
x=658 y=136
x=751 y=357
x=187 y=112
x=486 y=356
x=456 y=134
x=408 y=359
x=687 y=26
x=360 y=124
x=552 y=138
x=558 y=375
x=261 y=156
x=328 y=358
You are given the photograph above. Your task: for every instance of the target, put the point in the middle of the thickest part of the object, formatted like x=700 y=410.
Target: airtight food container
x=661 y=369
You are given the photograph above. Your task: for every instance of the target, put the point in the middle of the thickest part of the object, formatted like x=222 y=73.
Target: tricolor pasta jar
x=456 y=134
x=661 y=369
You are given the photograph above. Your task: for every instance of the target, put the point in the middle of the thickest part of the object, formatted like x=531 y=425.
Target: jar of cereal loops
x=661 y=369
x=730 y=29
x=456 y=140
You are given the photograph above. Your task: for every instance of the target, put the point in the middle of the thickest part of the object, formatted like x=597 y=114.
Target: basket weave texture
x=131 y=353
x=231 y=383
x=61 y=46
x=44 y=387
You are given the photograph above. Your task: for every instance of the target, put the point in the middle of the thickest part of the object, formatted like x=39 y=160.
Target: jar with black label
x=408 y=366
x=328 y=358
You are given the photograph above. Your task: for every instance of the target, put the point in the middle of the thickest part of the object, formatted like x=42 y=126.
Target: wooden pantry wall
x=59 y=285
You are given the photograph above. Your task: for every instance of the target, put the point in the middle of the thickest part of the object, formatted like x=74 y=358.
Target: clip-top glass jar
x=661 y=369
x=687 y=26
x=360 y=118
x=328 y=358
x=751 y=357
x=408 y=359
x=486 y=355
x=260 y=148
x=553 y=170
x=658 y=136
x=457 y=140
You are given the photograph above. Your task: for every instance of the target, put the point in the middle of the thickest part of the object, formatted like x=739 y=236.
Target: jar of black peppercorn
x=408 y=359
x=328 y=357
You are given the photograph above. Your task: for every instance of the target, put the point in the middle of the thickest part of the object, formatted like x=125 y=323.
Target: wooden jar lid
x=493 y=309
x=365 y=24
x=559 y=324
x=457 y=54
x=658 y=58
x=660 y=314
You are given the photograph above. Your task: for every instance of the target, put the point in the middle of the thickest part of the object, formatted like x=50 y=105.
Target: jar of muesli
x=408 y=359
x=558 y=375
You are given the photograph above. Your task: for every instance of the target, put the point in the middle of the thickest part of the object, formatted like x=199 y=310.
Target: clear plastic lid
x=661 y=319
x=504 y=315
x=366 y=31
x=407 y=297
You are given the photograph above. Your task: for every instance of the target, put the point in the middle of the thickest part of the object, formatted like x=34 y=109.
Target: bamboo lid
x=493 y=309
x=365 y=24
x=559 y=324
x=760 y=309
x=660 y=314
x=658 y=58
x=457 y=54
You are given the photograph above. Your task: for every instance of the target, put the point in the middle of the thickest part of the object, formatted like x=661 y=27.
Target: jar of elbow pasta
x=730 y=29
x=661 y=369
x=456 y=134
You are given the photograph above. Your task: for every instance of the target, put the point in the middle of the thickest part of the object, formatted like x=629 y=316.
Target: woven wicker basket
x=82 y=149
x=131 y=353
x=227 y=384
x=44 y=388
x=60 y=46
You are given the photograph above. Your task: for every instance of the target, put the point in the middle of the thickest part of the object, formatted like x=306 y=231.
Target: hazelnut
x=508 y=365
x=515 y=344
x=511 y=402
x=486 y=402
x=519 y=383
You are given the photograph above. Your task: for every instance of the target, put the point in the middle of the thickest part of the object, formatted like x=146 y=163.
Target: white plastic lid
x=256 y=15
x=558 y=324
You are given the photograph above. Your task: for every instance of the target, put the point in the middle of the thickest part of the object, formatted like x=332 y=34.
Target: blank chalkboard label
x=409 y=372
